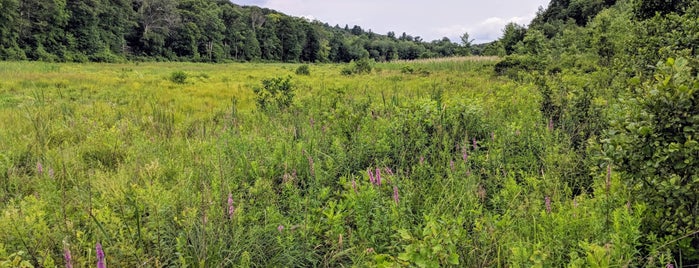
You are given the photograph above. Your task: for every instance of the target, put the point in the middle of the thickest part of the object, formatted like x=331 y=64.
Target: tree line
x=192 y=30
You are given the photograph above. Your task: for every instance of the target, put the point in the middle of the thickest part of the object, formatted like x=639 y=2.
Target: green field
x=472 y=174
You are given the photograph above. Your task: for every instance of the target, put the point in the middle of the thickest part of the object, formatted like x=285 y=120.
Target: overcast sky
x=431 y=20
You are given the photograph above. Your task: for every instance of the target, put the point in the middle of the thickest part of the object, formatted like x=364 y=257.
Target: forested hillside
x=619 y=79
x=191 y=30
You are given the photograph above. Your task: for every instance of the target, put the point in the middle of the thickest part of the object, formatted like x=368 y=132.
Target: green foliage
x=178 y=77
x=645 y=9
x=433 y=247
x=362 y=66
x=303 y=70
x=408 y=69
x=653 y=140
x=512 y=35
x=513 y=64
x=275 y=93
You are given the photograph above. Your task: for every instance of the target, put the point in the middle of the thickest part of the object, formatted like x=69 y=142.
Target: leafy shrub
x=407 y=69
x=178 y=77
x=303 y=70
x=347 y=71
x=654 y=142
x=362 y=66
x=275 y=93
x=513 y=64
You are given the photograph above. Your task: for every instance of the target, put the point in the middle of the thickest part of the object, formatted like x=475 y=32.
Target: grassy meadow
x=431 y=163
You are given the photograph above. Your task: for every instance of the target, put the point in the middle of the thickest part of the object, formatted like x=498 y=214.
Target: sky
x=431 y=20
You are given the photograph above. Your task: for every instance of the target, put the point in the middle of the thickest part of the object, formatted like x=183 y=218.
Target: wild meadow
x=434 y=163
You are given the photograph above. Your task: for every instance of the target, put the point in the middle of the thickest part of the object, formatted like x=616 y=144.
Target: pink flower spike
x=231 y=209
x=39 y=168
x=378 y=176
x=395 y=195
x=475 y=144
x=280 y=228
x=371 y=176
x=100 y=256
x=68 y=258
x=547 y=203
x=465 y=156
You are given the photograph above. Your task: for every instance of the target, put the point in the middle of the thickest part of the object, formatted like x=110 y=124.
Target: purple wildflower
x=395 y=194
x=547 y=202
x=100 y=256
x=280 y=228
x=68 y=258
x=312 y=122
x=550 y=126
x=422 y=160
x=389 y=171
x=39 y=168
x=310 y=163
x=231 y=209
x=371 y=176
x=475 y=144
x=670 y=265
x=465 y=156
x=378 y=176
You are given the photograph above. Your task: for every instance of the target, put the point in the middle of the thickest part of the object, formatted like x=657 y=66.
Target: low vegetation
x=576 y=148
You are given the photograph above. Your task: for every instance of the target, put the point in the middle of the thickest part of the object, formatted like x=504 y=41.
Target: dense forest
x=191 y=30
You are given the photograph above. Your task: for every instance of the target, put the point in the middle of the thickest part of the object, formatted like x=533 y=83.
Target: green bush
x=275 y=93
x=303 y=70
x=513 y=64
x=653 y=139
x=178 y=77
x=362 y=66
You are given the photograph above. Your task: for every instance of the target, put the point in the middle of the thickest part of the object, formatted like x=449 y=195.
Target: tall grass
x=147 y=167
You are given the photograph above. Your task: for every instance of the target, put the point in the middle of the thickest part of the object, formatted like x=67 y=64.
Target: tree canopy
x=190 y=30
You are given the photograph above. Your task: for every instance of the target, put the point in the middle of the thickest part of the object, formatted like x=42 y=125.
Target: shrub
x=362 y=66
x=513 y=64
x=347 y=71
x=654 y=142
x=275 y=93
x=303 y=70
x=178 y=77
